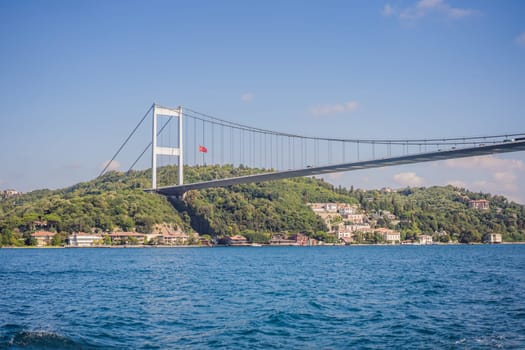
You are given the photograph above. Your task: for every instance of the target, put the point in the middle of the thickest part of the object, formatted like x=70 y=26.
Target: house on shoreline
x=236 y=240
x=492 y=238
x=43 y=238
x=82 y=239
x=127 y=238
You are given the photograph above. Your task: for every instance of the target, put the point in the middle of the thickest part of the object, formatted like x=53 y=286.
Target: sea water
x=366 y=297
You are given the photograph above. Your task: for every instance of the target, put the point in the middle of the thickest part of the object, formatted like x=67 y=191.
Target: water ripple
x=452 y=297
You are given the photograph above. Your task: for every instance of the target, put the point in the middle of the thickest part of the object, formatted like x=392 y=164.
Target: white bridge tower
x=169 y=151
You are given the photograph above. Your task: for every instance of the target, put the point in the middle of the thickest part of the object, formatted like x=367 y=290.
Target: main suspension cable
x=125 y=142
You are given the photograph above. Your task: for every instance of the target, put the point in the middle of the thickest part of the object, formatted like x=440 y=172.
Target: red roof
x=43 y=234
x=238 y=238
x=126 y=234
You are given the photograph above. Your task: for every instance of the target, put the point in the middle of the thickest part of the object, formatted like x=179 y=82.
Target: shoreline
x=259 y=246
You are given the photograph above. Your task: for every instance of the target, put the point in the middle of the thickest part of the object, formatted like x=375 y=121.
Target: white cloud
x=505 y=176
x=408 y=179
x=494 y=175
x=485 y=162
x=520 y=40
x=113 y=166
x=423 y=8
x=247 y=97
x=429 y=4
x=493 y=186
x=328 y=109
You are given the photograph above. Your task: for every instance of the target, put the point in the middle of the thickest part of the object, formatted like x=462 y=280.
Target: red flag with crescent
x=203 y=149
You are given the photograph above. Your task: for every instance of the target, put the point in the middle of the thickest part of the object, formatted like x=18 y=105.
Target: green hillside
x=438 y=209
x=116 y=201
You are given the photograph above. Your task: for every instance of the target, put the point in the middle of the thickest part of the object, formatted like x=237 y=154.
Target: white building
x=175 y=238
x=361 y=227
x=10 y=193
x=390 y=236
x=425 y=239
x=492 y=238
x=347 y=209
x=331 y=207
x=344 y=234
x=82 y=239
x=355 y=218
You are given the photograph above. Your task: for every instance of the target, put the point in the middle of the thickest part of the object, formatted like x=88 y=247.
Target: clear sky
x=76 y=76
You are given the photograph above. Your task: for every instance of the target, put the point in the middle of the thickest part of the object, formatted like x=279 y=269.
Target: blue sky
x=76 y=76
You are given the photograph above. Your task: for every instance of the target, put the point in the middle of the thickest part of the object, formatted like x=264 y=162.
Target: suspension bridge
x=202 y=139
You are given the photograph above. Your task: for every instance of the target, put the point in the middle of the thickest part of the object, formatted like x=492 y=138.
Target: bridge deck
x=514 y=146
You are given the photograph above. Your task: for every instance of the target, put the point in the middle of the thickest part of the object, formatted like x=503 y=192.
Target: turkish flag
x=203 y=149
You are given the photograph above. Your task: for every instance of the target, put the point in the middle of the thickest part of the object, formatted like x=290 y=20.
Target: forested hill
x=116 y=201
x=445 y=209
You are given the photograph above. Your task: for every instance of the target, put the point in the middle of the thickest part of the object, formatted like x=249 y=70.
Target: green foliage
x=10 y=238
x=275 y=206
x=325 y=237
x=444 y=213
x=109 y=202
x=59 y=239
x=117 y=201
x=256 y=237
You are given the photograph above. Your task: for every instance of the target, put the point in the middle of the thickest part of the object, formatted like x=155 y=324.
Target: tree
x=9 y=238
x=470 y=236
x=58 y=239
x=106 y=240
x=53 y=221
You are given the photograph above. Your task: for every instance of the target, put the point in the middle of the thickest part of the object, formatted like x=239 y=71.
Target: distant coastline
x=259 y=246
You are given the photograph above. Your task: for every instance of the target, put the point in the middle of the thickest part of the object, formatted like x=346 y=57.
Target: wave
x=40 y=340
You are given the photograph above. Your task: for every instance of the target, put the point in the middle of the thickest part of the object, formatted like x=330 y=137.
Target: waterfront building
x=492 y=238
x=389 y=236
x=280 y=239
x=174 y=238
x=205 y=241
x=425 y=239
x=346 y=240
x=82 y=239
x=344 y=234
x=302 y=239
x=236 y=240
x=43 y=238
x=126 y=237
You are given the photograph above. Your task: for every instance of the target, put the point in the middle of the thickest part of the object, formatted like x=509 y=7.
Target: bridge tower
x=170 y=151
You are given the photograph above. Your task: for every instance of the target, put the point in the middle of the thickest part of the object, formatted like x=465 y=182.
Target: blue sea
x=365 y=297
